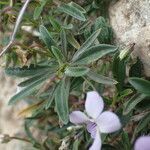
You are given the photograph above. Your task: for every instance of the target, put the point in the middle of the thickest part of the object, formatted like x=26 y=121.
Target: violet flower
x=97 y=122
x=142 y=143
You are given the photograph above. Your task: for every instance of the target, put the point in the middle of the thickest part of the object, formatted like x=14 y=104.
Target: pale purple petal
x=142 y=143
x=78 y=117
x=91 y=128
x=108 y=122
x=97 y=142
x=94 y=104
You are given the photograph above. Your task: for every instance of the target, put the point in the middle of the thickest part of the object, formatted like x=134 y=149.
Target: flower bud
x=71 y=128
x=126 y=51
x=4 y=138
x=123 y=53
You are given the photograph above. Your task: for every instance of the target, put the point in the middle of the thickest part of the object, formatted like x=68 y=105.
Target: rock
x=10 y=123
x=130 y=20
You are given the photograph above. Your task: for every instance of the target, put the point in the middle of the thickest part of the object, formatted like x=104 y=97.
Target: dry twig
x=19 y=19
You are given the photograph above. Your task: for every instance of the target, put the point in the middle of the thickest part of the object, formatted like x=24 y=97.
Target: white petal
x=97 y=142
x=142 y=143
x=78 y=117
x=108 y=122
x=94 y=104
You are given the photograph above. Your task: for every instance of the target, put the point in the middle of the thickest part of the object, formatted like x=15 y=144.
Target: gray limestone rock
x=130 y=20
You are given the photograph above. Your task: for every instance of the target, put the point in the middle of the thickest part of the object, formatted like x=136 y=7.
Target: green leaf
x=94 y=53
x=67 y=85
x=84 y=27
x=50 y=98
x=76 y=144
x=119 y=71
x=106 y=35
x=131 y=103
x=27 y=125
x=41 y=74
x=46 y=37
x=61 y=101
x=31 y=80
x=25 y=71
x=76 y=71
x=136 y=69
x=141 y=85
x=77 y=7
x=76 y=83
x=72 y=11
x=26 y=91
x=38 y=10
x=73 y=41
x=125 y=141
x=55 y=24
x=100 y=78
x=86 y=44
x=63 y=41
x=143 y=123
x=125 y=93
x=58 y=54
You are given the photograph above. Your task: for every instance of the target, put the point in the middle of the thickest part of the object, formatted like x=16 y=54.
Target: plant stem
x=21 y=139
x=11 y=3
x=89 y=83
x=19 y=19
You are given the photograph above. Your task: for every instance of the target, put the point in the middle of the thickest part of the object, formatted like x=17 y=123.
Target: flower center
x=91 y=128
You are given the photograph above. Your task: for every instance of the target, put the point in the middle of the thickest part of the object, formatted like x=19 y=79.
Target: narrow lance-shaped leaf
x=84 y=26
x=67 y=85
x=73 y=41
x=76 y=71
x=131 y=103
x=72 y=11
x=76 y=82
x=143 y=123
x=26 y=71
x=77 y=6
x=26 y=91
x=54 y=23
x=94 y=53
x=61 y=101
x=58 y=54
x=38 y=10
x=50 y=98
x=76 y=144
x=143 y=86
x=46 y=37
x=86 y=44
x=27 y=125
x=119 y=71
x=63 y=41
x=126 y=141
x=31 y=80
x=100 y=78
x=27 y=112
